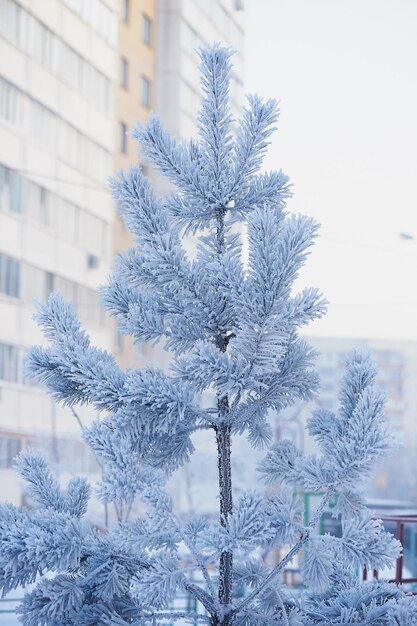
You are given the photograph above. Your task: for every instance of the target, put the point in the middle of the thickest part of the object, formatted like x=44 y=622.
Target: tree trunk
x=223 y=439
x=224 y=450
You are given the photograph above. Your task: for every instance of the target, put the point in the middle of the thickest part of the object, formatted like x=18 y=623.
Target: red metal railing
x=400 y=522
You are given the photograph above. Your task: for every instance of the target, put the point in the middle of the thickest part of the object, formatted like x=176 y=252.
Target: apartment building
x=184 y=26
x=396 y=365
x=57 y=75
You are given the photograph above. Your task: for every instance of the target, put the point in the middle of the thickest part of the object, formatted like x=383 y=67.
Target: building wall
x=134 y=98
x=57 y=73
x=395 y=363
x=184 y=26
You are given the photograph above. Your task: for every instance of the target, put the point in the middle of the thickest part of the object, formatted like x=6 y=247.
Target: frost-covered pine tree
x=232 y=327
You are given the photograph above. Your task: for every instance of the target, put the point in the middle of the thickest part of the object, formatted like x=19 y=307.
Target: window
x=4 y=188
x=118 y=341
x=11 y=103
x=9 y=276
x=125 y=10
x=42 y=123
x=67 y=221
x=96 y=86
x=11 y=190
x=42 y=43
x=124 y=73
x=70 y=66
x=9 y=449
x=146 y=30
x=44 y=207
x=123 y=137
x=88 y=306
x=91 y=234
x=15 y=192
x=97 y=15
x=68 y=289
x=49 y=283
x=19 y=26
x=33 y=284
x=37 y=284
x=9 y=363
x=11 y=20
x=82 y=153
x=37 y=204
x=145 y=91
x=73 y=146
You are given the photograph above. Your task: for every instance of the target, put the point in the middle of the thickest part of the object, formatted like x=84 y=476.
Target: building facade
x=183 y=27
x=57 y=75
x=395 y=361
x=134 y=98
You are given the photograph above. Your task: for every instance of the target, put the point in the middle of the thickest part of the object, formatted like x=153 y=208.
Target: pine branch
x=198 y=558
x=105 y=504
x=305 y=535
x=201 y=595
x=77 y=417
x=282 y=607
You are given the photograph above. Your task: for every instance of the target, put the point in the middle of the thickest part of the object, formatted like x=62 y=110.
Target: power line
x=58 y=180
x=410 y=305
x=371 y=246
x=344 y=242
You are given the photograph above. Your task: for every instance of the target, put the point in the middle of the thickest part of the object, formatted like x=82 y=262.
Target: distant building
x=183 y=27
x=396 y=362
x=57 y=73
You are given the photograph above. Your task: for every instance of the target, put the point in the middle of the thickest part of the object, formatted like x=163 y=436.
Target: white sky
x=345 y=72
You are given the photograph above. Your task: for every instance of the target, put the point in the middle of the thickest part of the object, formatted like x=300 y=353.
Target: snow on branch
x=231 y=318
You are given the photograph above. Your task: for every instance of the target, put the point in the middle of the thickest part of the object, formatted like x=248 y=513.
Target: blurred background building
x=396 y=363
x=57 y=78
x=183 y=26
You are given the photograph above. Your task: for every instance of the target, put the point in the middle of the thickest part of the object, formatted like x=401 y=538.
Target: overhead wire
x=59 y=180
x=371 y=246
x=330 y=239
